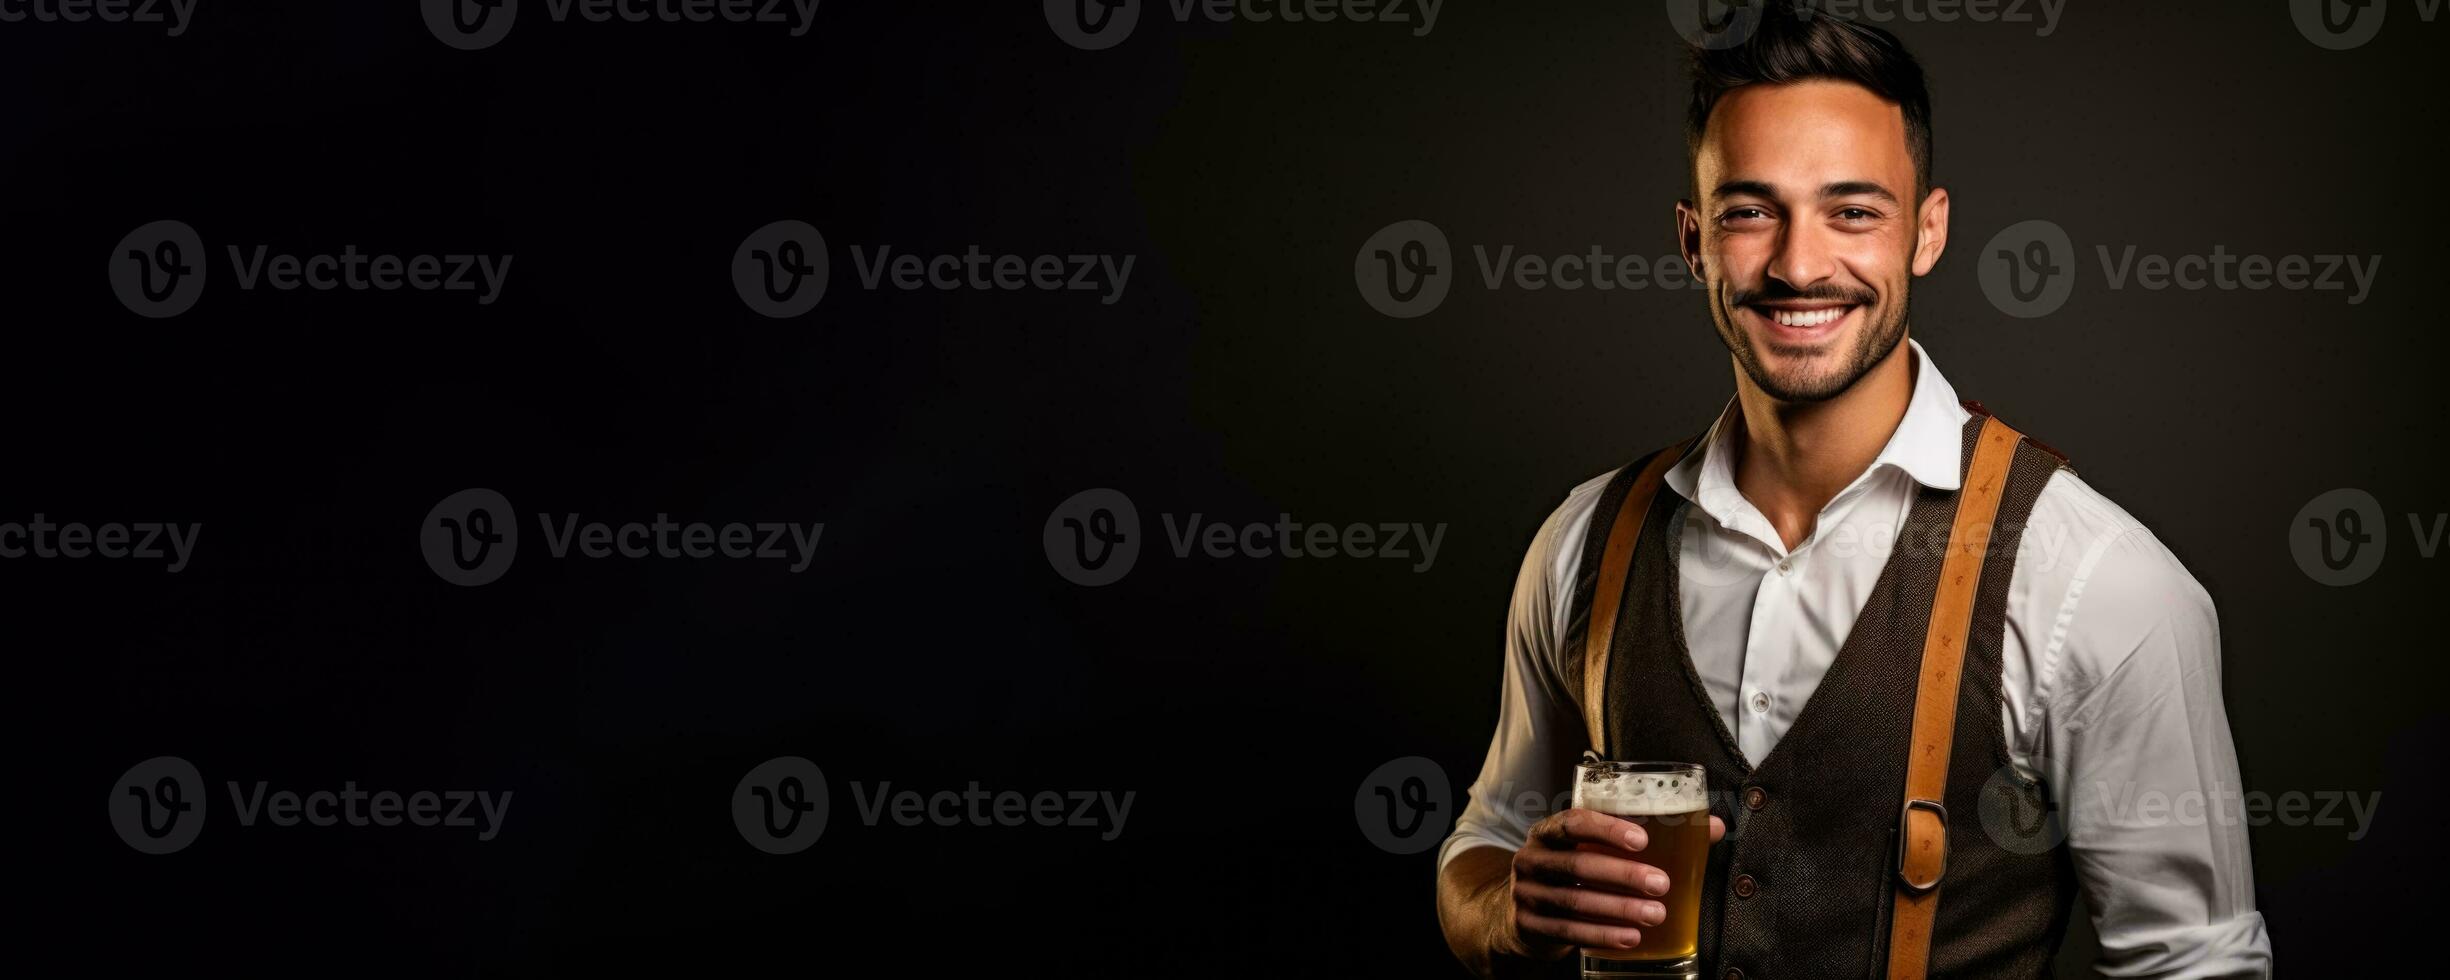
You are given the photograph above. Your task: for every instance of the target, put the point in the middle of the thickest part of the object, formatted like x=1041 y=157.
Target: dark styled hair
x=1793 y=42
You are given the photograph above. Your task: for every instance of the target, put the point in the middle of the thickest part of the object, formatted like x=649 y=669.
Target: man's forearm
x=1476 y=911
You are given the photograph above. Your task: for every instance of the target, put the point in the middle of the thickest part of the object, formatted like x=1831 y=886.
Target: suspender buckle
x=1922 y=846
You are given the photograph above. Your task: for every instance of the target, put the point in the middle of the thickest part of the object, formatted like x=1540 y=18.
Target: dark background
x=1243 y=700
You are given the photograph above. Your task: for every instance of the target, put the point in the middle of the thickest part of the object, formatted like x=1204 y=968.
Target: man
x=1779 y=596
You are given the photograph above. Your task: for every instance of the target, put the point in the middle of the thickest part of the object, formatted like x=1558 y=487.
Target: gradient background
x=930 y=644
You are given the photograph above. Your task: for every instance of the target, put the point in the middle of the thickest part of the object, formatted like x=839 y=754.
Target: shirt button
x=1745 y=886
x=1784 y=564
x=1760 y=701
x=1756 y=798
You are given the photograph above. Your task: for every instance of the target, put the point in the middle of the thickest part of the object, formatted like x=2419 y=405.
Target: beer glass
x=1671 y=802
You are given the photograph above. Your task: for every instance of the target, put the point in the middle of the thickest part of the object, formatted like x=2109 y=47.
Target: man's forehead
x=1804 y=134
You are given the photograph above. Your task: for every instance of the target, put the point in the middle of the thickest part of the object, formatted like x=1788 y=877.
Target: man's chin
x=1805 y=391
x=1813 y=374
x=1787 y=357
x=1809 y=355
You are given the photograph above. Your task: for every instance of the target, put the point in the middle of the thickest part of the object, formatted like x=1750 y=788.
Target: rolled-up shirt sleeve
x=2136 y=743
x=1539 y=725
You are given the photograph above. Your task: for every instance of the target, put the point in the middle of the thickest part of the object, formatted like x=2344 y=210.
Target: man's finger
x=1576 y=932
x=1580 y=826
x=1718 y=828
x=1589 y=869
x=1588 y=904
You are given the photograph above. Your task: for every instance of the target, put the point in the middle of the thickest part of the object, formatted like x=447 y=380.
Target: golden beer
x=1671 y=802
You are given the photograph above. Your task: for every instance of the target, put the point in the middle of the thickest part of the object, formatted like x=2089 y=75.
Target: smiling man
x=1895 y=633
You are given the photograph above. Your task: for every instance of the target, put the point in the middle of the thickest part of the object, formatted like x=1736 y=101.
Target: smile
x=1808 y=318
x=1802 y=323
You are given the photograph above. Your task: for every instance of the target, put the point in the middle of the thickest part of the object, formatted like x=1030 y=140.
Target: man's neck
x=1790 y=459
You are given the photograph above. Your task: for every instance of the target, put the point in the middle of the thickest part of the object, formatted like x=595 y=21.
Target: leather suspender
x=1922 y=835
x=1922 y=852
x=1614 y=564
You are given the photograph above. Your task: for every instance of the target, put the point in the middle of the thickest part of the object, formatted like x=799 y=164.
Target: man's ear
x=1931 y=231
x=1688 y=236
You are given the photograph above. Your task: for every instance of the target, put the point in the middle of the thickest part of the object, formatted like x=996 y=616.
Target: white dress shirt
x=2111 y=677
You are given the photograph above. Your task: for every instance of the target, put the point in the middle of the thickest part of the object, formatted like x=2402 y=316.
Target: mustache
x=1825 y=292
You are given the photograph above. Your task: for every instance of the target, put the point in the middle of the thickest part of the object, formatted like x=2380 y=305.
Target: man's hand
x=1578 y=881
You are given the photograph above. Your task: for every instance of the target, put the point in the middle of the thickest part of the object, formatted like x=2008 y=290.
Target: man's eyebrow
x=1853 y=188
x=1748 y=188
x=1843 y=188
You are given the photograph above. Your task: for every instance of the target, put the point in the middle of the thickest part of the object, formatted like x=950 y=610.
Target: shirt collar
x=1927 y=445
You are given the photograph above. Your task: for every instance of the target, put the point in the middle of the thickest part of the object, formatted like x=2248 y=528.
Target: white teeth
x=1807 y=318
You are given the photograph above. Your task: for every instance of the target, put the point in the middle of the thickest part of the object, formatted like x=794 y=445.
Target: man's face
x=1807 y=232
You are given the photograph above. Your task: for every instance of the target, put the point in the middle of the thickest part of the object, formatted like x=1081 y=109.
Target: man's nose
x=1803 y=259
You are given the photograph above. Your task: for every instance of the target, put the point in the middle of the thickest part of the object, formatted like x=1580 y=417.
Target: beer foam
x=1641 y=794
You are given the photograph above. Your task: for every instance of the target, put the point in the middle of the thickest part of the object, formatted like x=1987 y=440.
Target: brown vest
x=1803 y=884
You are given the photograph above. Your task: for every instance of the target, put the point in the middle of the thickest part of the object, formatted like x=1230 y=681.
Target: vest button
x=1734 y=974
x=1756 y=798
x=1745 y=886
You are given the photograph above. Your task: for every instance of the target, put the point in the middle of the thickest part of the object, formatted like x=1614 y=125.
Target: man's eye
x=1857 y=214
x=1746 y=214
